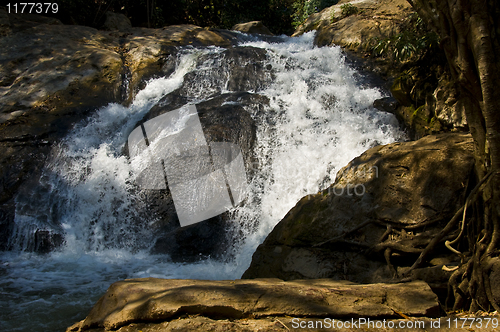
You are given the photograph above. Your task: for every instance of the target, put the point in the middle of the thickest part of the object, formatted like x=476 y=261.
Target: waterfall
x=319 y=117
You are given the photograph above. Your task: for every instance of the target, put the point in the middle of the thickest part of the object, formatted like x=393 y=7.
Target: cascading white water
x=319 y=118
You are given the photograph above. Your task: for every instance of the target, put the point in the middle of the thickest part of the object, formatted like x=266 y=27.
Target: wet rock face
x=151 y=52
x=223 y=119
x=46 y=241
x=53 y=75
x=372 y=223
x=235 y=69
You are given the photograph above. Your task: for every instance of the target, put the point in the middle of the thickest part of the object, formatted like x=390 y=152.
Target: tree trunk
x=470 y=37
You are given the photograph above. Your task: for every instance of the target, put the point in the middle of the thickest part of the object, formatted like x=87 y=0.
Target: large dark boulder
x=223 y=119
x=374 y=221
x=116 y=21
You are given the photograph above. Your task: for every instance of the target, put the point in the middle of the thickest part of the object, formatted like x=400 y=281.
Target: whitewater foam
x=319 y=118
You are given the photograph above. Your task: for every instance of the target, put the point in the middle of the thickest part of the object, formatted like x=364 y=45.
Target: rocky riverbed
x=361 y=226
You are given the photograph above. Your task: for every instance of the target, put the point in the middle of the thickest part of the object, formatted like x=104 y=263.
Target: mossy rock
x=423 y=123
x=401 y=91
x=420 y=121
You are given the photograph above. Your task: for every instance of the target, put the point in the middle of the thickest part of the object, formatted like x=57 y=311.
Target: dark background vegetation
x=280 y=16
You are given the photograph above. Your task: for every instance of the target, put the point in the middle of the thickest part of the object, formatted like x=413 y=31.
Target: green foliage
x=405 y=45
x=92 y=13
x=278 y=16
x=304 y=8
x=414 y=40
x=348 y=9
x=275 y=14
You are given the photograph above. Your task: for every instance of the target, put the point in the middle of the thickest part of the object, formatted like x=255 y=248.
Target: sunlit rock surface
x=375 y=19
x=262 y=301
x=252 y=27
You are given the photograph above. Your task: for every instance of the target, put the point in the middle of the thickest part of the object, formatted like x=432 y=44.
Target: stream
x=319 y=117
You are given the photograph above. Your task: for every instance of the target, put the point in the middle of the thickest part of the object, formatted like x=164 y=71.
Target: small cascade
x=90 y=215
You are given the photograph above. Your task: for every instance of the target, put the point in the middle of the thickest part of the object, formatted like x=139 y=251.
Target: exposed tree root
x=472 y=51
x=397 y=247
x=342 y=236
x=450 y=226
x=473 y=233
x=487 y=287
x=470 y=284
x=387 y=255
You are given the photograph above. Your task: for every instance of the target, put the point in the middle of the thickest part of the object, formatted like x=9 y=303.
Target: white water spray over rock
x=319 y=118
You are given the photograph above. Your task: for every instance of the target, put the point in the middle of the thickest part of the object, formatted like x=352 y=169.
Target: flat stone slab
x=138 y=301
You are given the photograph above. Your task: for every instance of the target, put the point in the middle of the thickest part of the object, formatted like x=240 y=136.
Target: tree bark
x=470 y=37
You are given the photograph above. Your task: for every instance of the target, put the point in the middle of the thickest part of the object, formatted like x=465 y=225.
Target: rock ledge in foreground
x=157 y=301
